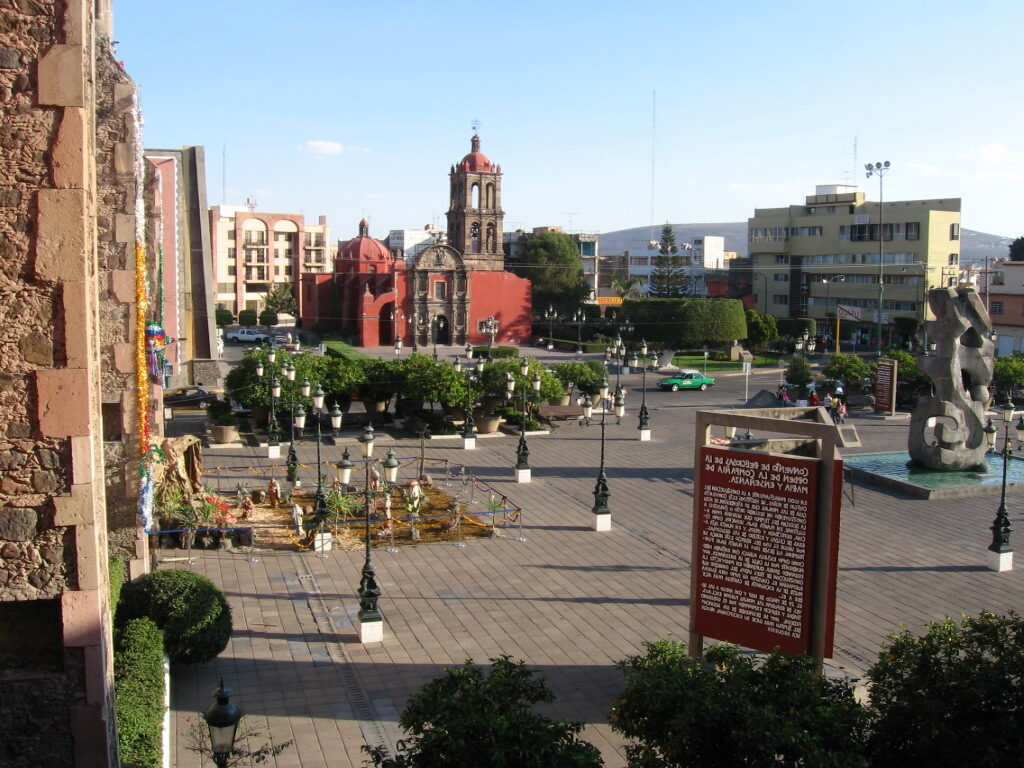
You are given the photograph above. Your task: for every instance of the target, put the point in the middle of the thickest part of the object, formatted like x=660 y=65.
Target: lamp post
x=371 y=622
x=1000 y=554
x=578 y=317
x=524 y=474
x=274 y=388
x=550 y=315
x=222 y=719
x=433 y=333
x=468 y=438
x=879 y=170
x=415 y=330
x=398 y=346
x=293 y=460
x=644 y=426
x=602 y=513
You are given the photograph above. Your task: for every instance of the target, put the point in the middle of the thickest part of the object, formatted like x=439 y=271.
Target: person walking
x=842 y=412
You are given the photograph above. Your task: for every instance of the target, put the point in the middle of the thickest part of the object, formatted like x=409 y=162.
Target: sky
x=603 y=115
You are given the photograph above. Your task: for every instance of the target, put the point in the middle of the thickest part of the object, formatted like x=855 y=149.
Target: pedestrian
x=785 y=397
x=833 y=411
x=813 y=399
x=826 y=401
x=842 y=412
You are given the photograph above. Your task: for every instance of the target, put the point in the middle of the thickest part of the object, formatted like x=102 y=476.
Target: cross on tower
x=475 y=125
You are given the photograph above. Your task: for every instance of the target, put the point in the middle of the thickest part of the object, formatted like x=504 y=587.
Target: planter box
x=486 y=425
x=563 y=400
x=224 y=434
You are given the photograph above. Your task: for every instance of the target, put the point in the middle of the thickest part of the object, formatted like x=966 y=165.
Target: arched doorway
x=386 y=330
x=441 y=330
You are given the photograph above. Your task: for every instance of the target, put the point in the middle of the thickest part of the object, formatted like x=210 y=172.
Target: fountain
x=946 y=442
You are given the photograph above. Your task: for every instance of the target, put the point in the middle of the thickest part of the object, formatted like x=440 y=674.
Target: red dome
x=476 y=160
x=364 y=247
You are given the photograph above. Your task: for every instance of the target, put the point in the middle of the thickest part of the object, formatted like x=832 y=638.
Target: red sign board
x=755 y=527
x=885 y=385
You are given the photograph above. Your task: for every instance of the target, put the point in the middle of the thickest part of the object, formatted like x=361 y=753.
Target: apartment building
x=254 y=250
x=840 y=253
x=704 y=255
x=1003 y=294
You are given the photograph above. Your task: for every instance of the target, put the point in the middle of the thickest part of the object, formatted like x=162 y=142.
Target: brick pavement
x=569 y=601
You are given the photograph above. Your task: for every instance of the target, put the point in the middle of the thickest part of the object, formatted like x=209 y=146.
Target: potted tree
x=224 y=429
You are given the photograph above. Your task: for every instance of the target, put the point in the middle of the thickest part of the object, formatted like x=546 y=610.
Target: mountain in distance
x=975 y=247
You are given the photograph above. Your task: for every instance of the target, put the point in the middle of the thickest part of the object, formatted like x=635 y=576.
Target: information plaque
x=755 y=550
x=885 y=386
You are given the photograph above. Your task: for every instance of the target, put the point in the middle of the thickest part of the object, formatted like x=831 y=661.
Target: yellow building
x=826 y=257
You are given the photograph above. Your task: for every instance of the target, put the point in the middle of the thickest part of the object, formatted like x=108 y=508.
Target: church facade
x=445 y=294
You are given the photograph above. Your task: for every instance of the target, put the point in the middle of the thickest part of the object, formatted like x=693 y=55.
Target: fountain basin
x=890 y=470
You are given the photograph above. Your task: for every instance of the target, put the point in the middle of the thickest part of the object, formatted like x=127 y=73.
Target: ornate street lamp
x=602 y=513
x=398 y=346
x=578 y=317
x=1000 y=554
x=415 y=330
x=468 y=438
x=345 y=467
x=879 y=170
x=490 y=328
x=550 y=315
x=644 y=426
x=371 y=622
x=222 y=719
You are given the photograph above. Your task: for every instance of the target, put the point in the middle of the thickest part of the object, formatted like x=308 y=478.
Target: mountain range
x=975 y=247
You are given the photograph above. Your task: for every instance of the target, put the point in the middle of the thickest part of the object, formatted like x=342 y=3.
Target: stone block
x=18 y=524
x=10 y=58
x=36 y=348
x=124 y=357
x=61 y=76
x=124 y=157
x=77 y=304
x=75 y=508
x=81 y=460
x=88 y=557
x=60 y=245
x=76 y=22
x=81 y=614
x=124 y=228
x=10 y=197
x=70 y=150
x=122 y=285
x=124 y=102
x=62 y=396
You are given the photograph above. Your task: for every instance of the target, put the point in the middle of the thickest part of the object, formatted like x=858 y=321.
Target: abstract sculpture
x=961 y=369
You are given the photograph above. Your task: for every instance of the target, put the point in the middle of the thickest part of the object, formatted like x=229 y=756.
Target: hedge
x=268 y=317
x=686 y=322
x=223 y=317
x=188 y=607
x=115 y=571
x=495 y=353
x=139 y=692
x=247 y=318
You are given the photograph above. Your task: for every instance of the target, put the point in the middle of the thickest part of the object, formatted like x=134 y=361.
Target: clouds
x=991 y=155
x=324 y=147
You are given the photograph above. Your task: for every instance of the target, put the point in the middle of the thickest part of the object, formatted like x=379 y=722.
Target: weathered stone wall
x=61 y=364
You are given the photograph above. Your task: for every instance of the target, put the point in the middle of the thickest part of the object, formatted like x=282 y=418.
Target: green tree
x=668 y=278
x=1008 y=373
x=281 y=298
x=551 y=262
x=1017 y=249
x=798 y=373
x=731 y=709
x=686 y=322
x=952 y=697
x=268 y=317
x=469 y=716
x=624 y=286
x=247 y=318
x=223 y=317
x=761 y=329
x=846 y=368
x=907 y=369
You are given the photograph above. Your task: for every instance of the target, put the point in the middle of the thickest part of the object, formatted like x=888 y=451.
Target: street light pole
x=1000 y=553
x=879 y=170
x=644 y=426
x=371 y=622
x=602 y=513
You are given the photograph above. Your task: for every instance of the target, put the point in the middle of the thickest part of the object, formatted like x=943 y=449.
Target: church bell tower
x=474 y=215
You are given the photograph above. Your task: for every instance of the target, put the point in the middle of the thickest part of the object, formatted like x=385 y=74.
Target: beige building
x=253 y=250
x=809 y=260
x=1002 y=290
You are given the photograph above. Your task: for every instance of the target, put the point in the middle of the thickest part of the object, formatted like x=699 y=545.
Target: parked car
x=247 y=336
x=686 y=379
x=188 y=397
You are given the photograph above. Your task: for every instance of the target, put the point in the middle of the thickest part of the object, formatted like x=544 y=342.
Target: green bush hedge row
x=139 y=690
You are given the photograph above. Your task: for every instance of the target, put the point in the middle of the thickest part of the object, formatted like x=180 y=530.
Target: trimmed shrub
x=115 y=571
x=495 y=353
x=189 y=608
x=268 y=317
x=223 y=317
x=139 y=691
x=247 y=318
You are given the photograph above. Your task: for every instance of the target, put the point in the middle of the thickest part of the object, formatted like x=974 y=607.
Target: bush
x=846 y=368
x=953 y=697
x=223 y=317
x=247 y=318
x=495 y=353
x=189 y=608
x=139 y=692
x=735 y=710
x=268 y=317
x=486 y=719
x=115 y=570
x=798 y=373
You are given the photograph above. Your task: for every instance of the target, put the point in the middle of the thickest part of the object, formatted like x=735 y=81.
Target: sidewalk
x=569 y=601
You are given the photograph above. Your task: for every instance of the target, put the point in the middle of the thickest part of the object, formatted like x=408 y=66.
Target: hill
x=974 y=246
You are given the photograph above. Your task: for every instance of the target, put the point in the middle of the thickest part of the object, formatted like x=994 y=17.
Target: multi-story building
x=406 y=244
x=1003 y=294
x=254 y=250
x=697 y=258
x=586 y=242
x=838 y=250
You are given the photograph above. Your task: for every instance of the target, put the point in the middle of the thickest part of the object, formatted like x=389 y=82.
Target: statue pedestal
x=524 y=475
x=602 y=522
x=999 y=561
x=645 y=435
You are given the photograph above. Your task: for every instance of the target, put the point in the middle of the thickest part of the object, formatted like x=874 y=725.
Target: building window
x=781 y=259
x=636 y=261
x=954 y=259
x=954 y=231
x=255 y=238
x=232 y=270
x=780 y=298
x=440 y=290
x=781 y=277
x=230 y=234
x=231 y=253
x=996 y=308
x=913 y=230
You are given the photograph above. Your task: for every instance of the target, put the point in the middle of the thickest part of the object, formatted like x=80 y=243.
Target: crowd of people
x=834 y=402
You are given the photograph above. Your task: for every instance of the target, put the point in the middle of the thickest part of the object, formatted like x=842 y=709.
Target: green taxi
x=686 y=379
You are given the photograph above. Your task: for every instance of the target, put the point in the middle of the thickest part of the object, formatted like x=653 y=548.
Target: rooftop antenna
x=224 y=175
x=250 y=203
x=570 y=214
x=856 y=165
x=654 y=114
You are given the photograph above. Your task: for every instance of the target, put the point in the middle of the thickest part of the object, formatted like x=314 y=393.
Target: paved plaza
x=569 y=601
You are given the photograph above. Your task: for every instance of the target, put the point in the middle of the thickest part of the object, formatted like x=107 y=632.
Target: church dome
x=476 y=161
x=364 y=247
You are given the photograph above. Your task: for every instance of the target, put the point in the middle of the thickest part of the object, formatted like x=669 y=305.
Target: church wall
x=505 y=296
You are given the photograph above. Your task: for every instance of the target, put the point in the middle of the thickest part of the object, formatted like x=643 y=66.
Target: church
x=445 y=293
